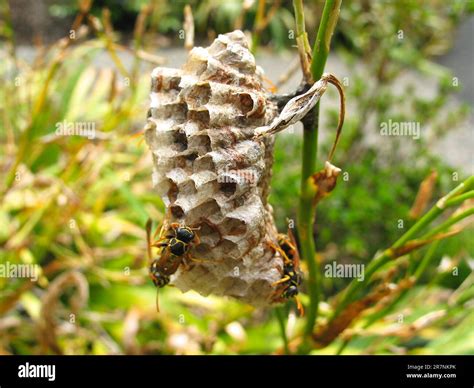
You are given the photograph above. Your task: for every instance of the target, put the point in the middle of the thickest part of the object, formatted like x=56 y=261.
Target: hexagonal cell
x=175 y=110
x=251 y=105
x=228 y=187
x=203 y=249
x=198 y=95
x=209 y=234
x=165 y=80
x=187 y=187
x=227 y=246
x=225 y=138
x=191 y=156
x=209 y=207
x=177 y=211
x=233 y=286
x=234 y=227
x=180 y=141
x=200 y=143
x=220 y=73
x=172 y=191
x=200 y=116
x=197 y=62
x=262 y=286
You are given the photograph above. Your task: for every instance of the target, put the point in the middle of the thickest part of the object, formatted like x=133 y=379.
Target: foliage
x=74 y=204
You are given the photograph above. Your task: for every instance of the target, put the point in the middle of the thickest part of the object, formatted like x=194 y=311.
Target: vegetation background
x=77 y=207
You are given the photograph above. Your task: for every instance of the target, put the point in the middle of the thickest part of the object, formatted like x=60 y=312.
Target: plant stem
x=279 y=312
x=306 y=211
x=448 y=223
x=460 y=198
x=259 y=18
x=425 y=261
x=304 y=48
x=387 y=255
x=323 y=39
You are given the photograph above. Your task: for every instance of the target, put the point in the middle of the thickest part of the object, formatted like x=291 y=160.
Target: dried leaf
x=188 y=27
x=329 y=332
x=425 y=193
x=324 y=181
x=298 y=107
x=47 y=324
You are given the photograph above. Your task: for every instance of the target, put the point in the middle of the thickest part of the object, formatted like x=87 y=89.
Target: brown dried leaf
x=324 y=182
x=188 y=27
x=329 y=332
x=425 y=193
x=47 y=324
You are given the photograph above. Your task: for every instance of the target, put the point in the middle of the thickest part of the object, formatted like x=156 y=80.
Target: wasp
x=292 y=277
x=174 y=242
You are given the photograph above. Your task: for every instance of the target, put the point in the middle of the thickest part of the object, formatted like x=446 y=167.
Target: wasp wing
x=296 y=256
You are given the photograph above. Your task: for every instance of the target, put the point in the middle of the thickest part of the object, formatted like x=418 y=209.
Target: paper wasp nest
x=211 y=173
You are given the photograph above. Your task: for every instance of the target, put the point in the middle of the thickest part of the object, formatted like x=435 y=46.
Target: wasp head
x=184 y=234
x=159 y=279
x=291 y=291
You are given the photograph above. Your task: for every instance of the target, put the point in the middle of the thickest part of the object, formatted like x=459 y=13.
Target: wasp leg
x=158 y=229
x=282 y=280
x=206 y=260
x=200 y=260
x=159 y=240
x=277 y=248
x=299 y=306
x=175 y=225
x=160 y=244
x=161 y=230
x=186 y=264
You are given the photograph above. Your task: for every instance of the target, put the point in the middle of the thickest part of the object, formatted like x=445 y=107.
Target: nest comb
x=212 y=173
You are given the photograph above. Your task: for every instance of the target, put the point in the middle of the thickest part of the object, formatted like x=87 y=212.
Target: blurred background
x=76 y=205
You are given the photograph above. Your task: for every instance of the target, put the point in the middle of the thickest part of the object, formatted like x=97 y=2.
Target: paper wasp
x=292 y=277
x=174 y=242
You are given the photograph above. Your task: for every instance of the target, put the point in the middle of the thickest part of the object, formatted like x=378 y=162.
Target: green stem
x=279 y=312
x=448 y=223
x=304 y=49
x=355 y=286
x=299 y=17
x=259 y=16
x=306 y=211
x=323 y=39
x=460 y=199
x=417 y=273
x=426 y=261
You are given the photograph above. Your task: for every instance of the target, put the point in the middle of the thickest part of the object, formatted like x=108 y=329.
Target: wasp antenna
x=159 y=228
x=148 y=239
x=300 y=307
x=157 y=301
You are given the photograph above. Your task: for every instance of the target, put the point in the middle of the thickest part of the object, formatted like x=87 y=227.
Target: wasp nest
x=210 y=171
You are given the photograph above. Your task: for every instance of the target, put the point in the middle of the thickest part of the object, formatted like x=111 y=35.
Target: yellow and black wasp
x=174 y=242
x=292 y=277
